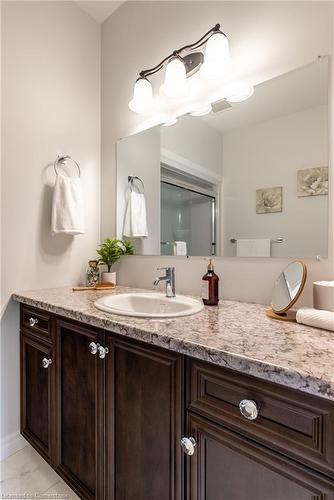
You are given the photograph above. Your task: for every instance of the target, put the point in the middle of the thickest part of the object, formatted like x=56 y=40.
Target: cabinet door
x=226 y=466
x=79 y=457
x=144 y=422
x=37 y=381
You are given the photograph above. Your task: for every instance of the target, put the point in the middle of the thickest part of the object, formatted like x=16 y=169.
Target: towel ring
x=132 y=178
x=62 y=160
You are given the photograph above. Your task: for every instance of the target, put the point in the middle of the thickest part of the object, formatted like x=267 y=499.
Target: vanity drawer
x=36 y=321
x=296 y=424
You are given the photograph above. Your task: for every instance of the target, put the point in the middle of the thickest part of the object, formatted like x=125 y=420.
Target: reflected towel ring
x=62 y=160
x=132 y=178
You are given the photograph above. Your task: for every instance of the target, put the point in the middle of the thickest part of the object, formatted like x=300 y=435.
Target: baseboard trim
x=11 y=444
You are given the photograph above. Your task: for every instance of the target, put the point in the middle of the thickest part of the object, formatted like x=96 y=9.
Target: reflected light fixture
x=192 y=77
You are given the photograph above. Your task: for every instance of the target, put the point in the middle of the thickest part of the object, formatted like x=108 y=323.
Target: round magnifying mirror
x=287 y=289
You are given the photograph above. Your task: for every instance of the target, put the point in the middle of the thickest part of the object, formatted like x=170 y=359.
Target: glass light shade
x=201 y=110
x=175 y=84
x=238 y=91
x=217 y=48
x=142 y=100
x=217 y=60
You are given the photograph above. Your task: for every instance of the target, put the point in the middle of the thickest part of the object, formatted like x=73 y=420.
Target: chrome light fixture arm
x=176 y=53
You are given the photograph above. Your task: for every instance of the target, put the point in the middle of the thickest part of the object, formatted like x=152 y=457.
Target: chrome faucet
x=169 y=278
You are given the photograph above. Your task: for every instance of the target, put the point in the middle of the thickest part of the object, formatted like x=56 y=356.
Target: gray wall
x=51 y=104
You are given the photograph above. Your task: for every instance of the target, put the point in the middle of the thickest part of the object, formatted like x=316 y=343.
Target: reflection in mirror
x=240 y=181
x=288 y=287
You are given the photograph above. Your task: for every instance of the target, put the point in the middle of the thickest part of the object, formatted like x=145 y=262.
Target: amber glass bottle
x=210 y=290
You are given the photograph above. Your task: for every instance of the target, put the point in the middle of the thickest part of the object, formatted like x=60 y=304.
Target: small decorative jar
x=92 y=274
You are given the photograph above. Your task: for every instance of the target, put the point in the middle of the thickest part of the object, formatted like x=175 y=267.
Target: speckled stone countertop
x=236 y=335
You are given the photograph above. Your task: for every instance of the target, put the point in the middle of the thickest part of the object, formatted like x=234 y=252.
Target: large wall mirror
x=248 y=179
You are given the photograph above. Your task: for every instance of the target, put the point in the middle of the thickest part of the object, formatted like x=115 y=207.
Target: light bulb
x=238 y=91
x=217 y=60
x=175 y=84
x=142 y=101
x=201 y=110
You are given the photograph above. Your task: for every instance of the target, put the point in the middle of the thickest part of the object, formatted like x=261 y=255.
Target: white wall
x=269 y=154
x=51 y=104
x=267 y=39
x=139 y=155
x=192 y=139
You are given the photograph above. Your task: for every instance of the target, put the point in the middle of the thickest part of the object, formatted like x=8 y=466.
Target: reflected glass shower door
x=188 y=216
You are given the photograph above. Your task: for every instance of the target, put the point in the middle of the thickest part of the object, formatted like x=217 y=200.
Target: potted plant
x=110 y=252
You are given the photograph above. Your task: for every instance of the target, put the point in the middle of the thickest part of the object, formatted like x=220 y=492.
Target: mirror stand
x=287 y=316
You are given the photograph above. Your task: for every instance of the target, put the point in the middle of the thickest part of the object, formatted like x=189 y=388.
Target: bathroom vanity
x=108 y=401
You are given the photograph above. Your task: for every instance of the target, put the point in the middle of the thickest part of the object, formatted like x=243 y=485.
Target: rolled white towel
x=316 y=318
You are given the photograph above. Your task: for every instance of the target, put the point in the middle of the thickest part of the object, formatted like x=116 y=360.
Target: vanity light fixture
x=193 y=80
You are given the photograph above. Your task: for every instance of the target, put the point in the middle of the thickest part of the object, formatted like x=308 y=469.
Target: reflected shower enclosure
x=187 y=215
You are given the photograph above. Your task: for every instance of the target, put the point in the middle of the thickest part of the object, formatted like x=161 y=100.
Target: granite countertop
x=236 y=335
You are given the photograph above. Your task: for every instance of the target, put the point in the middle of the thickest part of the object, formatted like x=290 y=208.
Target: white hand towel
x=257 y=247
x=316 y=318
x=180 y=248
x=135 y=222
x=68 y=206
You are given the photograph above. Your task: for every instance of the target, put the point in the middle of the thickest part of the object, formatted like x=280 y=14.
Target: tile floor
x=25 y=474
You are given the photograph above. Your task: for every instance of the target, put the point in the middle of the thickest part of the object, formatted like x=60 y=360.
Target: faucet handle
x=164 y=268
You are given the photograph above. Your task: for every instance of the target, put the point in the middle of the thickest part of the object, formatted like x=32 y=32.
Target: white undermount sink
x=149 y=305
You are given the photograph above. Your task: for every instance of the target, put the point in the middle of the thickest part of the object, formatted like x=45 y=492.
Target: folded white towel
x=135 y=222
x=316 y=318
x=257 y=247
x=68 y=206
x=180 y=248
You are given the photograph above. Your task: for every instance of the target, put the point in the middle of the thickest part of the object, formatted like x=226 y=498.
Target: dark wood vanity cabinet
x=37 y=394
x=109 y=413
x=79 y=450
x=144 y=422
x=227 y=466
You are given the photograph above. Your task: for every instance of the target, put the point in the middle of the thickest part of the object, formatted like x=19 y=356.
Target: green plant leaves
x=112 y=249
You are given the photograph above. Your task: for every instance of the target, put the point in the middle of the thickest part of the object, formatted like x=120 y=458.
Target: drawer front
x=298 y=425
x=36 y=321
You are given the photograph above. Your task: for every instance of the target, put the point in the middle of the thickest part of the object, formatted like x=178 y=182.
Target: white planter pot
x=108 y=277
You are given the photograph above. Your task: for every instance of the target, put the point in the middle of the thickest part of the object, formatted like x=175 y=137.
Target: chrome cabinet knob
x=93 y=348
x=46 y=362
x=248 y=409
x=103 y=351
x=188 y=445
x=33 y=321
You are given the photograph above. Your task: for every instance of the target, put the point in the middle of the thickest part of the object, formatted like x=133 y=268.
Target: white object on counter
x=180 y=248
x=316 y=318
x=323 y=295
x=256 y=247
x=108 y=277
x=135 y=222
x=68 y=206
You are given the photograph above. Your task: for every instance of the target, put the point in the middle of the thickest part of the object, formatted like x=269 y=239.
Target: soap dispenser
x=210 y=290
